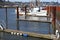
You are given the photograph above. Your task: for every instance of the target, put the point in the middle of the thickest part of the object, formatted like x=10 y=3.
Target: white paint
x=34 y=12
x=17 y=33
x=12 y=33
x=56 y=31
x=35 y=9
x=57 y=35
x=41 y=13
x=21 y=34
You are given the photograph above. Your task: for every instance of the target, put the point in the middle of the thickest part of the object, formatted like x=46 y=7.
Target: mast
x=37 y=2
x=31 y=4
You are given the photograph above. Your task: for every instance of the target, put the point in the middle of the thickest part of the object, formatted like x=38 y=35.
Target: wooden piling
x=49 y=18
x=54 y=18
x=17 y=13
x=6 y=18
x=25 y=11
x=17 y=18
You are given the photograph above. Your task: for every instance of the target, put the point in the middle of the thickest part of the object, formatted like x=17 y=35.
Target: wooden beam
x=33 y=20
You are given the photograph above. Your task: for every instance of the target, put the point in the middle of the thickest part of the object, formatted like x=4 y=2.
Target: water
x=36 y=27
x=8 y=36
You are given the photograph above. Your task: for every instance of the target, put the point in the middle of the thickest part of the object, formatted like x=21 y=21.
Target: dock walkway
x=47 y=36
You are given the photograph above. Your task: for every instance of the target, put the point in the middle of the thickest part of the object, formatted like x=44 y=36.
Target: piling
x=6 y=18
x=17 y=18
x=54 y=18
x=25 y=11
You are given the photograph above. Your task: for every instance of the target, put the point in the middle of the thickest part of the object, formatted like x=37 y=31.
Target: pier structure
x=48 y=36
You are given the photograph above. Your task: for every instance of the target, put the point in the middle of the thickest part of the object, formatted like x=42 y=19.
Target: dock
x=47 y=36
x=31 y=34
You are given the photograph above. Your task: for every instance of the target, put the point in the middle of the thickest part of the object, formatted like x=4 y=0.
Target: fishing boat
x=33 y=14
x=34 y=11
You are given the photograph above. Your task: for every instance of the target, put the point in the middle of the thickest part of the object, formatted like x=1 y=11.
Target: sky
x=40 y=0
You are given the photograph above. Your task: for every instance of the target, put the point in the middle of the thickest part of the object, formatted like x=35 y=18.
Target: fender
x=57 y=34
x=1 y=27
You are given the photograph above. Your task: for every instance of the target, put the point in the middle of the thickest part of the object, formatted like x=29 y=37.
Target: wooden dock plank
x=47 y=36
x=34 y=20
